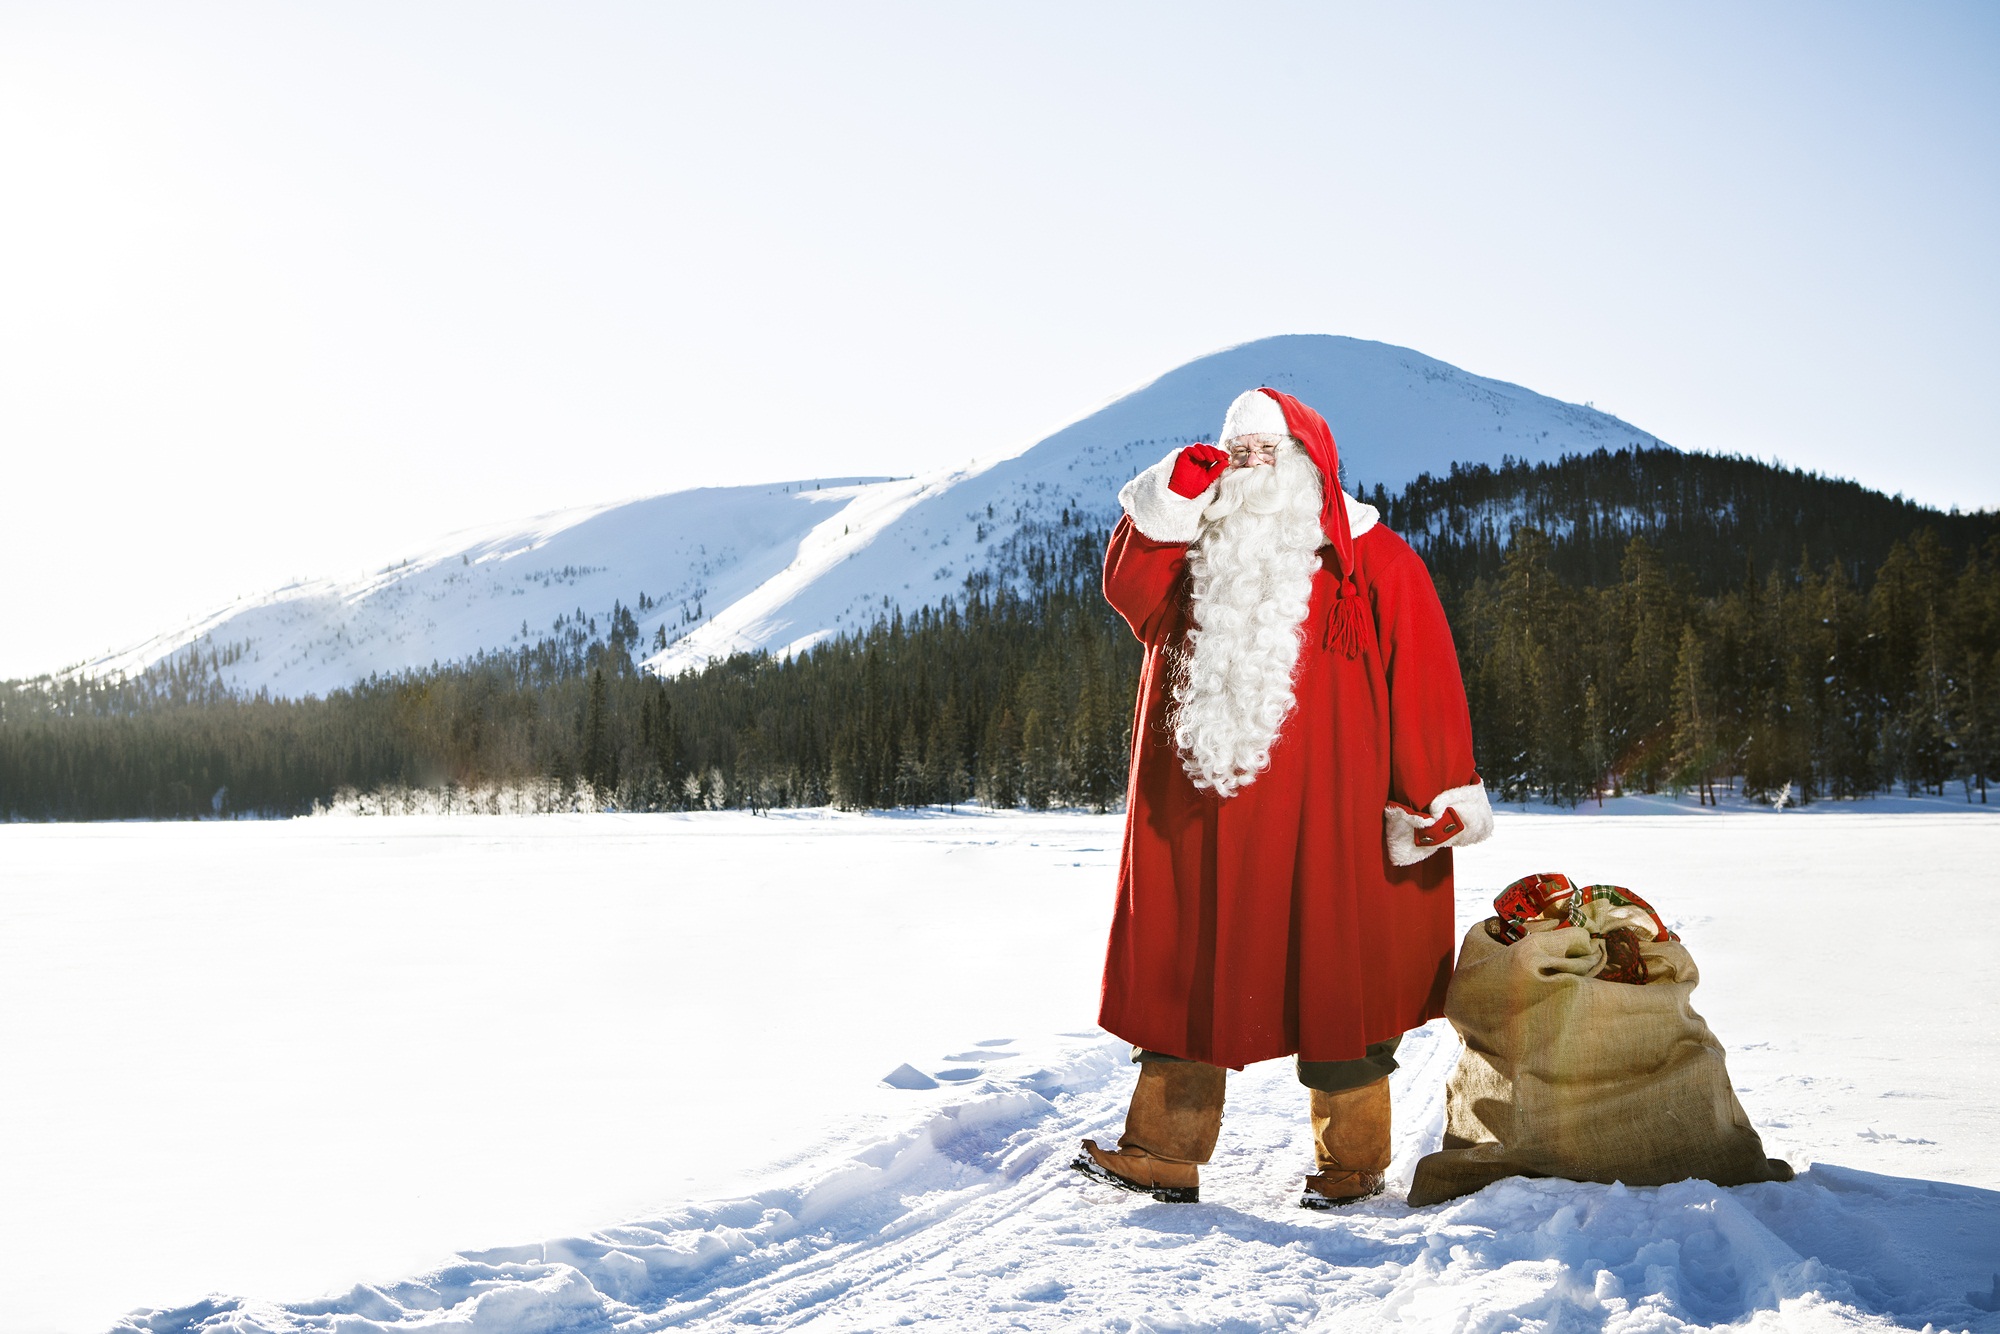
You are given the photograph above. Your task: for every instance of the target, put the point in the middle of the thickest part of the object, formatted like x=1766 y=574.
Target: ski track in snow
x=969 y=1218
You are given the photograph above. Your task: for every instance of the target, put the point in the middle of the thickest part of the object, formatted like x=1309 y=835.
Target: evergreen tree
x=1695 y=755
x=598 y=763
x=1002 y=760
x=1095 y=773
x=912 y=785
x=1038 y=760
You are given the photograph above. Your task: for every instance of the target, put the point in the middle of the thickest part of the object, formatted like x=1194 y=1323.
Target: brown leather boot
x=1170 y=1130
x=1351 y=1145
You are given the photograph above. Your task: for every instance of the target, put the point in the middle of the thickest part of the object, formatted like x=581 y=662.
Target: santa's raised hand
x=1198 y=468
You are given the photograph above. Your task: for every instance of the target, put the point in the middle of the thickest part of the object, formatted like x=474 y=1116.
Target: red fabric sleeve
x=1140 y=578
x=1430 y=728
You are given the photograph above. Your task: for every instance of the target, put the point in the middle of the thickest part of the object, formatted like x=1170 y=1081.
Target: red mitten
x=1196 y=470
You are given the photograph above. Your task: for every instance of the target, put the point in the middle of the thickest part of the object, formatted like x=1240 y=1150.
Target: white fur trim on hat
x=1400 y=824
x=1156 y=510
x=1254 y=413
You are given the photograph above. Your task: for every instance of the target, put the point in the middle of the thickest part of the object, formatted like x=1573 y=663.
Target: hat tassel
x=1346 y=625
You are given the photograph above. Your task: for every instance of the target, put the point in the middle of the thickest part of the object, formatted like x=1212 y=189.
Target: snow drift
x=968 y=1219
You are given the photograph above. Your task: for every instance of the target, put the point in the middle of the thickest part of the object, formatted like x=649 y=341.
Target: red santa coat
x=1300 y=915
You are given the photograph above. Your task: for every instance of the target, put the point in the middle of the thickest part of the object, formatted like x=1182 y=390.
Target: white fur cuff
x=1156 y=511
x=1400 y=825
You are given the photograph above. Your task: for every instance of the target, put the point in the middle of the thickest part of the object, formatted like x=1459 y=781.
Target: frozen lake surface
x=410 y=1073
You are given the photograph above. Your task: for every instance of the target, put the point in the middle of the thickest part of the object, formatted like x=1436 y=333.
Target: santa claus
x=1301 y=769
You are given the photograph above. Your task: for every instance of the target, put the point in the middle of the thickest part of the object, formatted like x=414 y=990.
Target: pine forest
x=1634 y=621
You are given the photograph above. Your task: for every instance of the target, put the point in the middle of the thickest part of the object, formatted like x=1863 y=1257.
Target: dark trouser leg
x=1340 y=1076
x=1379 y=1062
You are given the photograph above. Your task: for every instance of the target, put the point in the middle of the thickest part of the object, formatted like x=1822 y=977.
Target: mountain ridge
x=713 y=571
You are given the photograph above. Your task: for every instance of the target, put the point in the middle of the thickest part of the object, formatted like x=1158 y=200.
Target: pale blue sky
x=290 y=290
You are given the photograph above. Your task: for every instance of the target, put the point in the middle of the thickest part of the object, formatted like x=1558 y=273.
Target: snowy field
x=511 y=1074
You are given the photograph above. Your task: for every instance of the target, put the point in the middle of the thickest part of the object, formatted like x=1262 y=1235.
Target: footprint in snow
x=1878 y=1137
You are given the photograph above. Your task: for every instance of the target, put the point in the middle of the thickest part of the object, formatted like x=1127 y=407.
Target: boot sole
x=1325 y=1203
x=1085 y=1164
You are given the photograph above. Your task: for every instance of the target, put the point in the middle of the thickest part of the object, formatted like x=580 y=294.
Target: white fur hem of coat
x=1165 y=516
x=1400 y=826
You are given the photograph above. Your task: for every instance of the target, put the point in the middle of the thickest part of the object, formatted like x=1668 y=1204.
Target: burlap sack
x=1565 y=1075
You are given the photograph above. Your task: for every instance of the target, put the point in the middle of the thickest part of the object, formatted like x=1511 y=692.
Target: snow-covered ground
x=778 y=566
x=628 y=1068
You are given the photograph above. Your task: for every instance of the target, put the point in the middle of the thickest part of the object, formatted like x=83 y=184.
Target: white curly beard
x=1253 y=569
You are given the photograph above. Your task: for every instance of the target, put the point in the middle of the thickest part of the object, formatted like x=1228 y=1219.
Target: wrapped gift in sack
x=1583 y=1058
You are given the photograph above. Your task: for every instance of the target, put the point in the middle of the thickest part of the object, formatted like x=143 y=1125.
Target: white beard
x=1253 y=569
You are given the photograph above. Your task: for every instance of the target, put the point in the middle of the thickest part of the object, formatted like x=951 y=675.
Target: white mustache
x=1258 y=490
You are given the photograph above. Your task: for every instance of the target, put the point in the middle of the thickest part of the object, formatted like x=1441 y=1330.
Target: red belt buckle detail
x=1440 y=829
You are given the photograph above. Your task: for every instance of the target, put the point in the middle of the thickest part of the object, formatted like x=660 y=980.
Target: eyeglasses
x=1250 y=451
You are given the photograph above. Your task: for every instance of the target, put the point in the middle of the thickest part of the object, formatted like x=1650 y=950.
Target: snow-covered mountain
x=716 y=570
